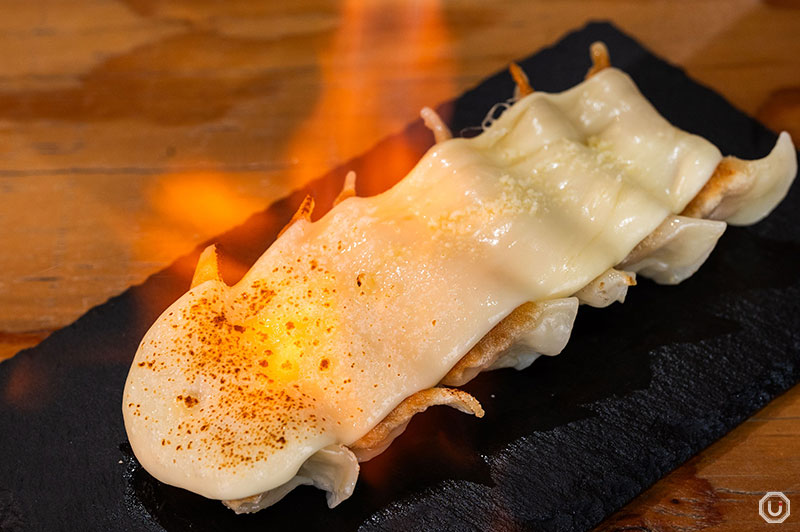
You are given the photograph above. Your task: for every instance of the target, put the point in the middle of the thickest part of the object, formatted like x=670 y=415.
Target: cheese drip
x=233 y=388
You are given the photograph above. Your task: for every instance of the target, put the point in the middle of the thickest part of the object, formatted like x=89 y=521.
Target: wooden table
x=133 y=130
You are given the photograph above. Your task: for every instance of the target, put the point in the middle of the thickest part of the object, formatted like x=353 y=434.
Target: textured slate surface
x=640 y=388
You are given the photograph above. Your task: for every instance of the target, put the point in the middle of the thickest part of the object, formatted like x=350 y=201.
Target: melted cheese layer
x=339 y=320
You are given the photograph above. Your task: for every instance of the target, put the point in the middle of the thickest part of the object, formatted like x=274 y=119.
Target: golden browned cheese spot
x=244 y=414
x=188 y=400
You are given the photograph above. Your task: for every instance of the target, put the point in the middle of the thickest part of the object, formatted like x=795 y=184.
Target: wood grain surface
x=133 y=130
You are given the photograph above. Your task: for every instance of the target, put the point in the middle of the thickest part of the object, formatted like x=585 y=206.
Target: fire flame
x=357 y=93
x=352 y=112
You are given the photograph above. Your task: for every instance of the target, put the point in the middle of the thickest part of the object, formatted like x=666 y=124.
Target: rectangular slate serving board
x=640 y=388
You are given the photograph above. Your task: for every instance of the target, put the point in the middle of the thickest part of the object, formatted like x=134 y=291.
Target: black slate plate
x=640 y=388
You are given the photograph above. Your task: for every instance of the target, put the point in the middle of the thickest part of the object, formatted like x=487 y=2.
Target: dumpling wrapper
x=234 y=389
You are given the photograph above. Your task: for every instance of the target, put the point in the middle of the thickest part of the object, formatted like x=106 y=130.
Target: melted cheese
x=233 y=388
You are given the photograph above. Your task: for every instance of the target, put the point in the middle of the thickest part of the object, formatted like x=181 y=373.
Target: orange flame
x=352 y=112
x=357 y=93
x=200 y=201
x=196 y=203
